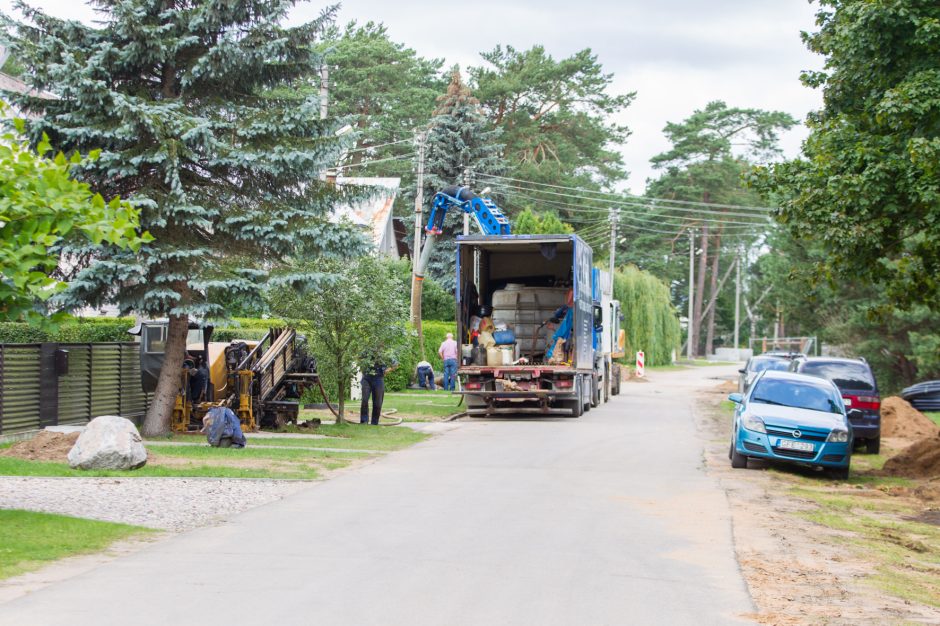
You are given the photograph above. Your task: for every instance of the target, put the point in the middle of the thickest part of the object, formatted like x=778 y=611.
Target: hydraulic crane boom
x=486 y=214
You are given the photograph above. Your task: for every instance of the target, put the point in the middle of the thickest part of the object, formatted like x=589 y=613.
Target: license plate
x=788 y=444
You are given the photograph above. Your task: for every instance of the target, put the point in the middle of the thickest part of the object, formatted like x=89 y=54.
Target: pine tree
x=461 y=138
x=190 y=103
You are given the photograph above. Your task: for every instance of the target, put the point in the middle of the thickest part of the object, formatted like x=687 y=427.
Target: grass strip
x=250 y=452
x=31 y=540
x=10 y=466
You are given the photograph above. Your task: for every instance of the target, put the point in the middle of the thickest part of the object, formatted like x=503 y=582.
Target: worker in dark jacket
x=373 y=386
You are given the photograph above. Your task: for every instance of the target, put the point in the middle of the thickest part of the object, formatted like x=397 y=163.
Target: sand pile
x=729 y=386
x=919 y=460
x=900 y=419
x=45 y=446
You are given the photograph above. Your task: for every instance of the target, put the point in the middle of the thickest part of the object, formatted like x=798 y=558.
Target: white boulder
x=108 y=442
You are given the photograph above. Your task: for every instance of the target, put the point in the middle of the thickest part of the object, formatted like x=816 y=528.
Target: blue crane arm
x=486 y=214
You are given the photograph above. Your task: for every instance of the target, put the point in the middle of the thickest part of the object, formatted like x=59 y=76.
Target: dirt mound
x=900 y=419
x=45 y=446
x=919 y=460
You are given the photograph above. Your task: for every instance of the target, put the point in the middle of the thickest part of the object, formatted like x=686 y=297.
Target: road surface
x=607 y=519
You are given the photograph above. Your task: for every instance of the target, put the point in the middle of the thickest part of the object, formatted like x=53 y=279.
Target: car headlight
x=754 y=423
x=838 y=436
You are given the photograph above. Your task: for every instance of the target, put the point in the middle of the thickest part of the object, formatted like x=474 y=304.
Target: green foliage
x=867 y=188
x=650 y=322
x=204 y=128
x=41 y=205
x=710 y=152
x=70 y=330
x=857 y=318
x=531 y=223
x=31 y=540
x=387 y=91
x=352 y=312
x=554 y=115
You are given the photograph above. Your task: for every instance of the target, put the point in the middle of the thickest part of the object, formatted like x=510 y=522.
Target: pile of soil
x=45 y=446
x=729 y=386
x=919 y=460
x=900 y=419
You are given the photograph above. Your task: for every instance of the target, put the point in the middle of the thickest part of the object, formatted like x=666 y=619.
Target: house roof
x=374 y=211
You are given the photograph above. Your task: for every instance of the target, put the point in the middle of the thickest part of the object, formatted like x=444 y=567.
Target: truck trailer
x=521 y=282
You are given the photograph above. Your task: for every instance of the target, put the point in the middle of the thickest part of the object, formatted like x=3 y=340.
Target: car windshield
x=844 y=375
x=797 y=394
x=759 y=365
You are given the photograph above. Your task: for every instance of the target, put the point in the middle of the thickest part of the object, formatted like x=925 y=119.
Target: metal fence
x=68 y=383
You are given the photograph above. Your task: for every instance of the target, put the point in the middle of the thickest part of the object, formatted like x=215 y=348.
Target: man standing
x=373 y=385
x=448 y=352
x=425 y=375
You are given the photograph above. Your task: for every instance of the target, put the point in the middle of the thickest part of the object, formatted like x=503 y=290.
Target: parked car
x=856 y=382
x=757 y=364
x=923 y=396
x=793 y=418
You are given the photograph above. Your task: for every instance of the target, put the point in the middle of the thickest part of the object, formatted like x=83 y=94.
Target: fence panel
x=102 y=379
x=19 y=388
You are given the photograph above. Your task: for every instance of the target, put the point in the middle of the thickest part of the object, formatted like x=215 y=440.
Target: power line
x=381 y=145
x=642 y=205
x=628 y=195
x=603 y=215
x=401 y=157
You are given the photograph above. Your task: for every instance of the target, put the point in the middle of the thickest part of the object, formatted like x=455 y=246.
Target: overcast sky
x=676 y=54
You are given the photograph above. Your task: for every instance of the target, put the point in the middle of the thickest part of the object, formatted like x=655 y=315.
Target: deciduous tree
x=867 y=187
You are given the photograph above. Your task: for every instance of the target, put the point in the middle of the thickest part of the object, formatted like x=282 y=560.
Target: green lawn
x=935 y=417
x=251 y=452
x=408 y=405
x=10 y=466
x=350 y=436
x=30 y=540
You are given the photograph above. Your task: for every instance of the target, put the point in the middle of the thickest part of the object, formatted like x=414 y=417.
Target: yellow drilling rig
x=260 y=381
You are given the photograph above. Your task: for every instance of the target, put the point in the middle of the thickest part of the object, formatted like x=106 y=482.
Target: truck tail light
x=472 y=384
x=564 y=382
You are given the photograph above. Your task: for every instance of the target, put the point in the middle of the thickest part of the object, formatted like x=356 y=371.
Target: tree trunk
x=340 y=402
x=710 y=330
x=157 y=420
x=695 y=337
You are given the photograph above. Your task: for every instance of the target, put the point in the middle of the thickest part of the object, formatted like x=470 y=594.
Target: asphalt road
x=607 y=519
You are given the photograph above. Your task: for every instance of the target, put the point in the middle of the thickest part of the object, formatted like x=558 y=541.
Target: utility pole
x=737 y=299
x=466 y=216
x=691 y=325
x=324 y=90
x=614 y=216
x=416 y=253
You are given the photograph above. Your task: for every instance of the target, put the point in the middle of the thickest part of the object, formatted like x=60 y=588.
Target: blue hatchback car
x=794 y=418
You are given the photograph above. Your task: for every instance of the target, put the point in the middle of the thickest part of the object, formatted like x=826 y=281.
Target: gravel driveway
x=175 y=504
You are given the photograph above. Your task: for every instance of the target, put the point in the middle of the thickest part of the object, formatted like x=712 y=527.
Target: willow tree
x=192 y=105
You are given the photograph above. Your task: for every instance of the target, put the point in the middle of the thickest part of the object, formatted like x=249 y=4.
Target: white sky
x=676 y=54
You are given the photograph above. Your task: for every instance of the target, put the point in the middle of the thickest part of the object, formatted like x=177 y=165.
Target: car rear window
x=760 y=365
x=844 y=375
x=796 y=394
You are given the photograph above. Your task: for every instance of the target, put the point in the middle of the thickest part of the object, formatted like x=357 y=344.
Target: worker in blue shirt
x=564 y=317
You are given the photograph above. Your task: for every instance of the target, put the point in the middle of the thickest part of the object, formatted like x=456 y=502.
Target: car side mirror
x=855 y=414
x=737 y=398
x=741 y=371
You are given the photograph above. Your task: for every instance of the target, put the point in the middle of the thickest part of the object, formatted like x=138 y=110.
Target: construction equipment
x=260 y=381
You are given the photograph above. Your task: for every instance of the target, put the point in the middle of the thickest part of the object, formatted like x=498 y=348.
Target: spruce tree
x=461 y=138
x=191 y=104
